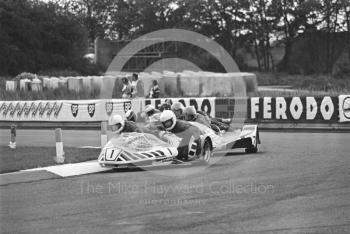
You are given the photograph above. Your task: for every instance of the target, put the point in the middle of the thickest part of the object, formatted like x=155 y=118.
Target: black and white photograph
x=174 y=116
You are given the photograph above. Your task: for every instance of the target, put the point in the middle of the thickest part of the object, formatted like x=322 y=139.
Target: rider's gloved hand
x=161 y=134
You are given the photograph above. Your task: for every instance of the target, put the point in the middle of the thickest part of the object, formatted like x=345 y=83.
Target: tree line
x=37 y=36
x=235 y=24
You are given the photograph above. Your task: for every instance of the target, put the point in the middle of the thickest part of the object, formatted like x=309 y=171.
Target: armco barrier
x=324 y=109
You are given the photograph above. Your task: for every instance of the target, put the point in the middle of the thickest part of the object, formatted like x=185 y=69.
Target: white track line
x=73 y=169
x=89 y=147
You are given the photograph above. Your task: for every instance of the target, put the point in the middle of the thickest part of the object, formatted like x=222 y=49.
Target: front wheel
x=253 y=149
x=207 y=151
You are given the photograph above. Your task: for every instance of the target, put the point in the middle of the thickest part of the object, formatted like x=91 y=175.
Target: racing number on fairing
x=111 y=154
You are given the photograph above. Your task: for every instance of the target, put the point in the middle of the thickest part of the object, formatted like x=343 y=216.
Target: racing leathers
x=181 y=117
x=201 y=119
x=130 y=126
x=189 y=145
x=205 y=115
x=214 y=123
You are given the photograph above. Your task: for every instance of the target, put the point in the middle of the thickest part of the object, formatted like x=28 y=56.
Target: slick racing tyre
x=253 y=149
x=207 y=151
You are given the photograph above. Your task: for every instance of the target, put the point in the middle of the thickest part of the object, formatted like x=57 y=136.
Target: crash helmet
x=165 y=106
x=150 y=110
x=178 y=109
x=130 y=115
x=117 y=123
x=190 y=113
x=168 y=119
x=168 y=101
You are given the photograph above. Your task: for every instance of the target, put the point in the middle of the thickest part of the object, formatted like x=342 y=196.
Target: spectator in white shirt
x=137 y=86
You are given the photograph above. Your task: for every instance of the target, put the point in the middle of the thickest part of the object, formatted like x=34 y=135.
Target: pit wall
x=311 y=110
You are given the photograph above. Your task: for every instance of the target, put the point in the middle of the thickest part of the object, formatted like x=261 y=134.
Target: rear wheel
x=207 y=151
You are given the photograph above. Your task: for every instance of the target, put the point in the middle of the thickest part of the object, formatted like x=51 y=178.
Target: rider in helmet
x=178 y=110
x=151 y=113
x=192 y=115
x=189 y=145
x=130 y=115
x=119 y=125
x=205 y=115
x=166 y=105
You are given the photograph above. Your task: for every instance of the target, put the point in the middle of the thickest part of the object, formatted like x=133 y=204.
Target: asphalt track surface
x=297 y=183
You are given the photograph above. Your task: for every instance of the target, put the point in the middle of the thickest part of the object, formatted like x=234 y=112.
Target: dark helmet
x=130 y=115
x=165 y=106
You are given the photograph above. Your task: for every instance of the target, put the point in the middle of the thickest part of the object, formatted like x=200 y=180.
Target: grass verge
x=26 y=157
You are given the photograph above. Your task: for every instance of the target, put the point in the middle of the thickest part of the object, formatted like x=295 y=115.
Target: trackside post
x=103 y=133
x=12 y=144
x=59 y=146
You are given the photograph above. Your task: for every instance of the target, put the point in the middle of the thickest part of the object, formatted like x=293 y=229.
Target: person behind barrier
x=178 y=110
x=119 y=125
x=137 y=86
x=155 y=90
x=151 y=113
x=192 y=115
x=127 y=88
x=168 y=101
x=130 y=115
x=189 y=146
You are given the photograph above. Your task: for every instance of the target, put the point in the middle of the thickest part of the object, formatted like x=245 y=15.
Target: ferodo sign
x=315 y=109
x=231 y=108
x=204 y=104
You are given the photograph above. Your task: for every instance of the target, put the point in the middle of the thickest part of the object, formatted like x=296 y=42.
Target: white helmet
x=168 y=119
x=117 y=123
x=149 y=109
